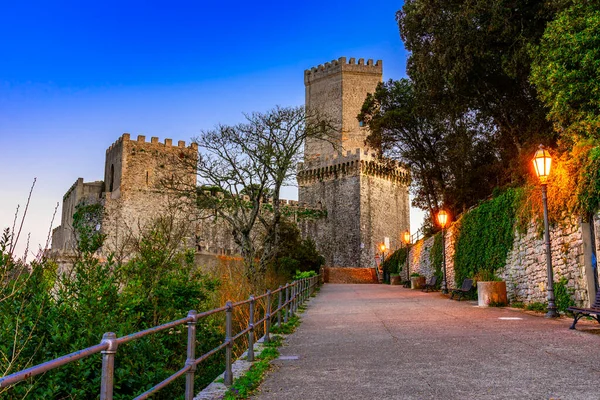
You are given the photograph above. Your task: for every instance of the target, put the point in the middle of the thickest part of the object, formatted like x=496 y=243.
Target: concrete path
x=388 y=342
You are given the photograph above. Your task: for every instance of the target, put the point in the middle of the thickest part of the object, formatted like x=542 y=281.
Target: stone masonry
x=525 y=270
x=365 y=196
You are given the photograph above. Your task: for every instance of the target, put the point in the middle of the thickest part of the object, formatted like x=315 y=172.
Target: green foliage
x=517 y=304
x=286 y=328
x=449 y=152
x=46 y=314
x=437 y=256
x=472 y=56
x=86 y=224
x=537 y=307
x=393 y=264
x=563 y=295
x=588 y=183
x=566 y=69
x=415 y=275
x=246 y=384
x=294 y=253
x=485 y=236
x=304 y=274
x=486 y=275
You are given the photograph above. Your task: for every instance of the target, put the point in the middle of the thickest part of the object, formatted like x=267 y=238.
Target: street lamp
x=382 y=248
x=443 y=218
x=406 y=240
x=542 y=163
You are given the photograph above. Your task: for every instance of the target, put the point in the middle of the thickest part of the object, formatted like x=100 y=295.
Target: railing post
x=304 y=287
x=287 y=303
x=108 y=366
x=294 y=289
x=228 y=378
x=279 y=303
x=191 y=356
x=251 y=331
x=292 y=297
x=268 y=318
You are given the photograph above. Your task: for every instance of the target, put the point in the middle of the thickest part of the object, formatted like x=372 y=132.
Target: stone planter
x=417 y=282
x=491 y=292
x=394 y=279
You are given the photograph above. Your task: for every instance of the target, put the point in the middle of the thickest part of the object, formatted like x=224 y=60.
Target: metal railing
x=289 y=298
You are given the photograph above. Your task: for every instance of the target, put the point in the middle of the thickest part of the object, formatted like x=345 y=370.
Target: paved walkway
x=388 y=342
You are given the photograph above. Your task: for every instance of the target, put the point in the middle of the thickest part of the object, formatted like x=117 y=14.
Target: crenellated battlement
x=126 y=137
x=357 y=162
x=340 y=65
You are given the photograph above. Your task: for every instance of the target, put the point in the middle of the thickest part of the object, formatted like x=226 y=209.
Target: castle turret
x=365 y=197
x=338 y=89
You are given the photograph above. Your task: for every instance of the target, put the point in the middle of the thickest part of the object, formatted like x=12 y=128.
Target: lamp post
x=406 y=240
x=382 y=248
x=442 y=218
x=542 y=163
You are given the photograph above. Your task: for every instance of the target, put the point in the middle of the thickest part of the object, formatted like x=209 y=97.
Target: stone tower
x=366 y=198
x=135 y=174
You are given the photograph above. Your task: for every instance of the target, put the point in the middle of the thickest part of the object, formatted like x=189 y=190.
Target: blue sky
x=75 y=75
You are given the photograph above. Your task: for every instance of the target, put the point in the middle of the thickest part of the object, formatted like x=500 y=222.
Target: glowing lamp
x=442 y=218
x=542 y=163
x=406 y=237
x=382 y=247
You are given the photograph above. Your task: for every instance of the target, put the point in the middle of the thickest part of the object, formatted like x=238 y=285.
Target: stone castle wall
x=366 y=200
x=79 y=192
x=525 y=271
x=365 y=196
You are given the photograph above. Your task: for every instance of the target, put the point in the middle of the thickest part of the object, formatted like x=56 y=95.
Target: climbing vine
x=436 y=256
x=87 y=221
x=392 y=263
x=485 y=236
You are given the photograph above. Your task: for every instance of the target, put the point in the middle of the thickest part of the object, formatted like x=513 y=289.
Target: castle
x=366 y=197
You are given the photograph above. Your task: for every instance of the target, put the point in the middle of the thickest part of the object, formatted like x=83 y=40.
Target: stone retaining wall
x=525 y=271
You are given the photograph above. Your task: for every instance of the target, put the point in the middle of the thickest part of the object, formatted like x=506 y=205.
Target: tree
x=473 y=55
x=248 y=162
x=450 y=154
x=566 y=69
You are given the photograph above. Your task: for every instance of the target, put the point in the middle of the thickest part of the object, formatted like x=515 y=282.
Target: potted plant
x=490 y=288
x=394 y=278
x=416 y=281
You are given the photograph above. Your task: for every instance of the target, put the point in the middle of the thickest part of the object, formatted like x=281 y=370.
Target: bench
x=466 y=287
x=430 y=285
x=593 y=311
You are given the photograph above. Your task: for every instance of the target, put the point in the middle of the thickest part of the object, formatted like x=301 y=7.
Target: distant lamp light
x=442 y=218
x=542 y=161
x=406 y=237
x=382 y=247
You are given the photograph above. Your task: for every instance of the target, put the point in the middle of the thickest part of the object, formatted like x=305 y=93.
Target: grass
x=286 y=327
x=243 y=386
x=537 y=307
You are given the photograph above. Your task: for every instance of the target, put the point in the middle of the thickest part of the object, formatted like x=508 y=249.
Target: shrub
x=485 y=236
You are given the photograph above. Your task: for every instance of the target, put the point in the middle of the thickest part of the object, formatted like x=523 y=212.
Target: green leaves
x=566 y=69
x=485 y=236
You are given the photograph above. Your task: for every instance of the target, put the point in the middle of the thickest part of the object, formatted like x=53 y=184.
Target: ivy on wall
x=436 y=256
x=392 y=263
x=485 y=236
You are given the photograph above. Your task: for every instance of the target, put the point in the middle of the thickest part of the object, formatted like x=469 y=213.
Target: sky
x=74 y=76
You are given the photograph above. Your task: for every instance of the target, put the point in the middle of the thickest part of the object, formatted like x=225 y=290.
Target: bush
x=563 y=295
x=46 y=314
